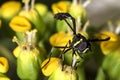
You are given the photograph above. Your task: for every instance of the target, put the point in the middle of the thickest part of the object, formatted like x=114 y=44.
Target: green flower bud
x=29 y=58
x=28 y=64
x=110 y=68
x=41 y=8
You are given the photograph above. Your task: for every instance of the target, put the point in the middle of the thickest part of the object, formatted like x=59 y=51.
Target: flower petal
x=3 y=65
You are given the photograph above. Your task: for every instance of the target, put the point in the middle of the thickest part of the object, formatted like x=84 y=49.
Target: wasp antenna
x=97 y=40
x=63 y=16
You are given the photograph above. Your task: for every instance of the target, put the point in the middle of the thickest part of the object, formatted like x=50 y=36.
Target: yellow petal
x=50 y=67
x=112 y=45
x=17 y=51
x=60 y=39
x=10 y=8
x=4 y=78
x=20 y=24
x=113 y=37
x=3 y=65
x=56 y=7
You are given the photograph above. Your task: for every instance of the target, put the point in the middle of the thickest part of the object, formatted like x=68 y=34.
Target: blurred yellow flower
x=61 y=6
x=112 y=45
x=10 y=9
x=20 y=24
x=3 y=65
x=60 y=39
x=49 y=68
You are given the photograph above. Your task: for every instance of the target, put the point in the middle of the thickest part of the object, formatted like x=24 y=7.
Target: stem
x=32 y=4
x=78 y=24
x=110 y=26
x=86 y=25
x=117 y=30
x=86 y=3
x=27 y=6
x=74 y=2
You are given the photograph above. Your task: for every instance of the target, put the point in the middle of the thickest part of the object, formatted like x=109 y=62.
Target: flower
x=53 y=69
x=3 y=65
x=29 y=57
x=20 y=24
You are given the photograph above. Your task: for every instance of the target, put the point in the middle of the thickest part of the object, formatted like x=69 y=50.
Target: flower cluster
x=37 y=45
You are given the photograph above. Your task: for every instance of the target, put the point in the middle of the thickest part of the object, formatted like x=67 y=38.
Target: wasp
x=79 y=44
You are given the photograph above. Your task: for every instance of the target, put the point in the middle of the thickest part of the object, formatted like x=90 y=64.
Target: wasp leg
x=63 y=53
x=48 y=60
x=61 y=47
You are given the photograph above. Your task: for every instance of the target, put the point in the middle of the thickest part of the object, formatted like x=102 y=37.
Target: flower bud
x=41 y=8
x=111 y=62
x=77 y=10
x=29 y=58
x=28 y=63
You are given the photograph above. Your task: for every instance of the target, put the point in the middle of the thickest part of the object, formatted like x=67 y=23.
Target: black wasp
x=79 y=44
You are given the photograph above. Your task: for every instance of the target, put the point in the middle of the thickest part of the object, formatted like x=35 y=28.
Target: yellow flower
x=10 y=8
x=20 y=24
x=53 y=69
x=49 y=68
x=3 y=65
x=37 y=21
x=112 y=45
x=56 y=7
x=29 y=57
x=60 y=39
